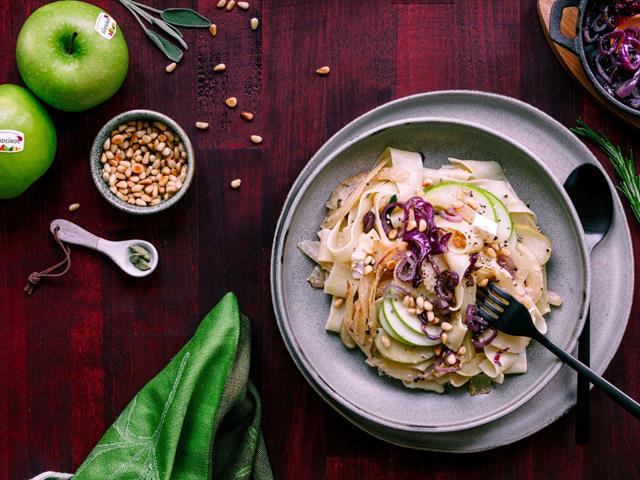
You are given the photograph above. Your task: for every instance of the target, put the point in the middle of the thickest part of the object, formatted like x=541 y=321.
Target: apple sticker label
x=105 y=26
x=11 y=141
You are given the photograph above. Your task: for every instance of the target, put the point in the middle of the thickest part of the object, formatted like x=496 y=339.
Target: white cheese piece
x=485 y=227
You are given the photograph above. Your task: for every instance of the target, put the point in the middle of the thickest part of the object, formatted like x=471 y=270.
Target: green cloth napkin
x=199 y=418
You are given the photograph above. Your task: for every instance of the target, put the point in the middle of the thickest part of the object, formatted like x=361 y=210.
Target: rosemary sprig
x=623 y=165
x=167 y=22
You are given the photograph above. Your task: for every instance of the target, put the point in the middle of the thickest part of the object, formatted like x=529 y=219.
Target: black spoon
x=590 y=194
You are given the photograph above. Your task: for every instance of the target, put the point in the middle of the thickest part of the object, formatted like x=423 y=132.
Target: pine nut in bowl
x=142 y=162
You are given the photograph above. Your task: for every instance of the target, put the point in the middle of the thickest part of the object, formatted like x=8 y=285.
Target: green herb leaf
x=169 y=49
x=624 y=166
x=185 y=17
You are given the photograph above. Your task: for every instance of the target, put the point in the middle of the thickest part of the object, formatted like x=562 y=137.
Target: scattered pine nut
x=202 y=125
x=444 y=337
x=73 y=207
x=236 y=183
x=213 y=29
x=411 y=225
x=422 y=226
x=243 y=5
x=451 y=359
x=385 y=341
x=230 y=5
x=171 y=67
x=393 y=234
x=247 y=116
x=221 y=3
x=338 y=302
x=254 y=23
x=446 y=326
x=256 y=139
x=323 y=70
x=221 y=67
x=231 y=102
x=484 y=282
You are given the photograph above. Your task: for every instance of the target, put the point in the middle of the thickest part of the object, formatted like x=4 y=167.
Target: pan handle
x=555 y=20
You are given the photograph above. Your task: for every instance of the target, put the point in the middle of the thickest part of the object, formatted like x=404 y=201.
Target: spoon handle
x=69 y=232
x=614 y=392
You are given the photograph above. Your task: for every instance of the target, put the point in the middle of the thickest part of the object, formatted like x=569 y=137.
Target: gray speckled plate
x=560 y=152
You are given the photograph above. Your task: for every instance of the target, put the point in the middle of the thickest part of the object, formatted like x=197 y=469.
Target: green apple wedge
x=27 y=140
x=72 y=55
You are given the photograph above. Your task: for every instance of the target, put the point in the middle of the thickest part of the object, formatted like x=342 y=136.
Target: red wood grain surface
x=73 y=355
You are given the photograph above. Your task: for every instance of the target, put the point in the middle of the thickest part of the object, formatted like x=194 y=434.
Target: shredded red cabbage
x=474 y=321
x=446 y=284
x=612 y=45
x=485 y=338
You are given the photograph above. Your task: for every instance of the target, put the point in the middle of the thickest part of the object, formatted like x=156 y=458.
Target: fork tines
x=490 y=305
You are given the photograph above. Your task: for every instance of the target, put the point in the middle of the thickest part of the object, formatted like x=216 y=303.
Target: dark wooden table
x=74 y=354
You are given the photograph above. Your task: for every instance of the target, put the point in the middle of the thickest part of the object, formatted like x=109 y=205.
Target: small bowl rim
x=96 y=165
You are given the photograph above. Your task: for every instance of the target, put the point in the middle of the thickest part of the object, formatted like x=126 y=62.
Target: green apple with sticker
x=27 y=140
x=72 y=55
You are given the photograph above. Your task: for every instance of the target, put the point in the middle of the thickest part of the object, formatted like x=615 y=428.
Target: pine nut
x=256 y=139
x=430 y=315
x=230 y=5
x=428 y=306
x=117 y=139
x=221 y=67
x=73 y=207
x=254 y=22
x=221 y=3
x=451 y=359
x=368 y=269
x=236 y=183
x=231 y=102
x=490 y=252
x=213 y=29
x=462 y=350
x=411 y=225
x=420 y=303
x=338 y=302
x=247 y=116
x=323 y=70
x=386 y=343
x=446 y=326
x=444 y=337
x=171 y=67
x=243 y=5
x=393 y=234
x=422 y=226
x=484 y=282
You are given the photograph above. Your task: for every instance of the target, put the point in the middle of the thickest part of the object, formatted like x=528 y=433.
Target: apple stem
x=70 y=44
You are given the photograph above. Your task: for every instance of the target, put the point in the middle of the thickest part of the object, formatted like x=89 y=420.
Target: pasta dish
x=402 y=251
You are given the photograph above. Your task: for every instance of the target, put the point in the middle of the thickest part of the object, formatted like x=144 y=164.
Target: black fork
x=510 y=316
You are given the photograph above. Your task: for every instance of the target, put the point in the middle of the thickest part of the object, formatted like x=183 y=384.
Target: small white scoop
x=117 y=251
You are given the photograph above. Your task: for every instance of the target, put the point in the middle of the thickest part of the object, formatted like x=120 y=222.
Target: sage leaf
x=169 y=49
x=171 y=31
x=185 y=17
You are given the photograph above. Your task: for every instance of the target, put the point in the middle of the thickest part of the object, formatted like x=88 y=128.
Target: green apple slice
x=443 y=195
x=503 y=218
x=412 y=320
x=401 y=353
x=403 y=333
x=382 y=318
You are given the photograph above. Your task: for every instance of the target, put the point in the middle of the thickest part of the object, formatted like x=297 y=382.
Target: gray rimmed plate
x=561 y=152
x=302 y=311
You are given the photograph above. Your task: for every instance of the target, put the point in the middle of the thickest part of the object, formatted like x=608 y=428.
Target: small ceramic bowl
x=96 y=164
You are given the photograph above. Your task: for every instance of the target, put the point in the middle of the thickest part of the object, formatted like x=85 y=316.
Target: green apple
x=72 y=55
x=27 y=140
